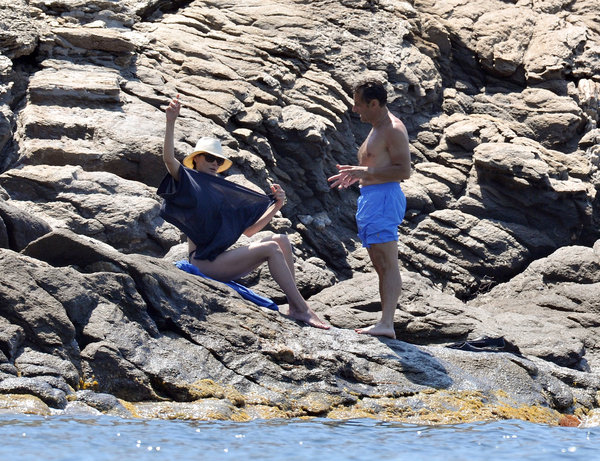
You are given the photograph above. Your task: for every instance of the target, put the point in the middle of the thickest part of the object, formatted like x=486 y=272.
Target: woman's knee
x=283 y=241
x=269 y=248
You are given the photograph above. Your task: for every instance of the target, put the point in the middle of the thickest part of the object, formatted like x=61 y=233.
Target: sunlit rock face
x=500 y=236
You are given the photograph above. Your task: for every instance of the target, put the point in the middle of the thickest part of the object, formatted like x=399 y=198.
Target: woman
x=233 y=264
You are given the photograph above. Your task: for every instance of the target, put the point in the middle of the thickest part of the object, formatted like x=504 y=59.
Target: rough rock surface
x=501 y=235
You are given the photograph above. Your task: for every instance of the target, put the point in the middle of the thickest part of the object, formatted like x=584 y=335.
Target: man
x=384 y=159
x=214 y=221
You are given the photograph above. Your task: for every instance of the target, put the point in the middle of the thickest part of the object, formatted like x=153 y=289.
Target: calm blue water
x=105 y=438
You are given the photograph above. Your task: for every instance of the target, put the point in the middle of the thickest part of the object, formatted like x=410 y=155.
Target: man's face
x=362 y=108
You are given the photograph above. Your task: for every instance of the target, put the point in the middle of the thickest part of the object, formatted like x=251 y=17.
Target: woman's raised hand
x=173 y=109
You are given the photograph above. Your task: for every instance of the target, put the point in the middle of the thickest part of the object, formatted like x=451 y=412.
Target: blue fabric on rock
x=246 y=293
x=211 y=211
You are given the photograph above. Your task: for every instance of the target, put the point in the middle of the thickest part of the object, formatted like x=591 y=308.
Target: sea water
x=26 y=437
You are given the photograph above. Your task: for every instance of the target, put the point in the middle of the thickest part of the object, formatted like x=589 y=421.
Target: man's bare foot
x=309 y=317
x=377 y=330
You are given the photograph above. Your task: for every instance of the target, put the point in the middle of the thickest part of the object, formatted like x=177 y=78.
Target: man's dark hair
x=371 y=88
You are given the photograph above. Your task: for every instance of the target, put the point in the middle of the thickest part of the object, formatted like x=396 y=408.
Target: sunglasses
x=211 y=159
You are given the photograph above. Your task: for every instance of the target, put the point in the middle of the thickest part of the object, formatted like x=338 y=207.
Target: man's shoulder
x=396 y=132
x=397 y=125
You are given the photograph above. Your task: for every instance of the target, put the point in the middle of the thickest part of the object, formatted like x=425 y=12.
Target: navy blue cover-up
x=211 y=211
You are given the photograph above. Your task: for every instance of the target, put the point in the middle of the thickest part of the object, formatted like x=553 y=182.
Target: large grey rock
x=149 y=332
x=425 y=315
x=26 y=304
x=32 y=363
x=549 y=309
x=19 y=227
x=11 y=339
x=120 y=212
x=34 y=386
x=19 y=34
x=104 y=403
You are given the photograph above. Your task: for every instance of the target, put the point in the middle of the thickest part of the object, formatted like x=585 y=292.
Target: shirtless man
x=276 y=250
x=384 y=160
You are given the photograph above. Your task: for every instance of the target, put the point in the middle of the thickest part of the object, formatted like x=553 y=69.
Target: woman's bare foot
x=307 y=316
x=377 y=330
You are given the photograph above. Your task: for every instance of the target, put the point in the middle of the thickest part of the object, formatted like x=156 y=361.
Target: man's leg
x=385 y=260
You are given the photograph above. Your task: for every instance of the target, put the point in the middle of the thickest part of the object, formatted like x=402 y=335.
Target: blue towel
x=246 y=293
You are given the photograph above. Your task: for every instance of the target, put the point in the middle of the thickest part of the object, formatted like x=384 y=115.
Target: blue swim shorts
x=380 y=211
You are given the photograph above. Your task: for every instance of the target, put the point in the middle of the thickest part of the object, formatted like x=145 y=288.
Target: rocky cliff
x=501 y=238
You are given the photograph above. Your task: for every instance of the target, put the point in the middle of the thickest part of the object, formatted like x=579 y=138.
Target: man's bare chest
x=372 y=151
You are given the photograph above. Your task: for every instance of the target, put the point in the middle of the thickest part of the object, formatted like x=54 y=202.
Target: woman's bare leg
x=233 y=264
x=286 y=248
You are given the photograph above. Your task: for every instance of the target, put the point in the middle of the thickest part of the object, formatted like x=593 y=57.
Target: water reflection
x=107 y=438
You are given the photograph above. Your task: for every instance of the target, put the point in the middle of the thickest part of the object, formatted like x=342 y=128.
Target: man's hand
x=348 y=175
x=173 y=109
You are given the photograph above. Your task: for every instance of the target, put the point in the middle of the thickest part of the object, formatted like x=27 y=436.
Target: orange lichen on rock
x=569 y=421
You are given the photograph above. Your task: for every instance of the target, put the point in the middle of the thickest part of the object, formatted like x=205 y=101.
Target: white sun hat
x=208 y=146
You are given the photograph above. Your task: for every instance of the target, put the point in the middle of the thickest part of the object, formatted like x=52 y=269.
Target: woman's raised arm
x=172 y=164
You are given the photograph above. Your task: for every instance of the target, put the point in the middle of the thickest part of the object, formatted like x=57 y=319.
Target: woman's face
x=207 y=163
